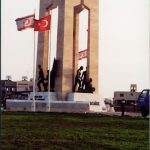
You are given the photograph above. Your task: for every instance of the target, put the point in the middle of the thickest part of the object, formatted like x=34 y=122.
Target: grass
x=58 y=131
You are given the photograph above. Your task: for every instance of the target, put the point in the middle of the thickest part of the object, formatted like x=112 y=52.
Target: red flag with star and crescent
x=25 y=22
x=42 y=24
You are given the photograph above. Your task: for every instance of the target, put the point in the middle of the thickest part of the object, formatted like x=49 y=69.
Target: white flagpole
x=34 y=74
x=49 y=105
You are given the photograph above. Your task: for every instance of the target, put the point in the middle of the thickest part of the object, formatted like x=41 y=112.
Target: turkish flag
x=42 y=24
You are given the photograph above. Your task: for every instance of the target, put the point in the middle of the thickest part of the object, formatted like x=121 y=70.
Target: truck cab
x=143 y=102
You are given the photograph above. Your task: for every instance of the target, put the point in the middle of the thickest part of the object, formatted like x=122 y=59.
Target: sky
x=123 y=43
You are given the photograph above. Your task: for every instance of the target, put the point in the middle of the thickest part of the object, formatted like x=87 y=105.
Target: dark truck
x=143 y=102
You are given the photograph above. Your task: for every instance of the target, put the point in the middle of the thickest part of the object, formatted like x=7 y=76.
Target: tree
x=8 y=77
x=24 y=78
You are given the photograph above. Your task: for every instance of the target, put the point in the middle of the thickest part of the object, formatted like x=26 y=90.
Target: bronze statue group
x=82 y=83
x=41 y=79
x=45 y=81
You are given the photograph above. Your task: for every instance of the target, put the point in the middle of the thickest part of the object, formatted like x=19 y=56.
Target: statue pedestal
x=75 y=103
x=43 y=96
x=96 y=103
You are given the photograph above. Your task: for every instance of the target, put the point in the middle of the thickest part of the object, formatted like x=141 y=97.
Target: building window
x=121 y=95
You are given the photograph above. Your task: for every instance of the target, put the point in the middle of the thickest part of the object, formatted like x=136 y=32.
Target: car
x=143 y=102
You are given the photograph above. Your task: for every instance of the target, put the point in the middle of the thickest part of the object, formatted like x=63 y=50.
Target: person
x=89 y=88
x=40 y=78
x=122 y=107
x=78 y=79
x=84 y=79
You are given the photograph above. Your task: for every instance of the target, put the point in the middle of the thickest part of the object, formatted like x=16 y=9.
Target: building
x=22 y=85
x=7 y=87
x=30 y=85
x=10 y=88
x=129 y=97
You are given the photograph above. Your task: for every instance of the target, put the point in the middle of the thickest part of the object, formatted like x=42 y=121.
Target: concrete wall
x=70 y=107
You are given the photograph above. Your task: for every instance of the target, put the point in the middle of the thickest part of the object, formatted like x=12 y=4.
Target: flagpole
x=34 y=74
x=49 y=109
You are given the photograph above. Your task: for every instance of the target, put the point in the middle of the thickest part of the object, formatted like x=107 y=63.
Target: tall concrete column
x=43 y=38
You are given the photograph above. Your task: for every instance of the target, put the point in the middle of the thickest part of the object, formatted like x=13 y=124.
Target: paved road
x=129 y=114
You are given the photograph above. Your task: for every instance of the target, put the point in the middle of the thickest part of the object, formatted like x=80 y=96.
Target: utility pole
x=0 y=58
x=0 y=79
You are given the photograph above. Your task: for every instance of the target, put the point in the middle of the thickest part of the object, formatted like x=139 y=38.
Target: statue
x=84 y=79
x=89 y=88
x=78 y=79
x=52 y=77
x=41 y=79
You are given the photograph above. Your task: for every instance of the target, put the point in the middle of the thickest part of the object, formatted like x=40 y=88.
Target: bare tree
x=24 y=78
x=8 y=77
x=31 y=79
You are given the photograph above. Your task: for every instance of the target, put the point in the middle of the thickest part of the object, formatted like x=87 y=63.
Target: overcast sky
x=123 y=43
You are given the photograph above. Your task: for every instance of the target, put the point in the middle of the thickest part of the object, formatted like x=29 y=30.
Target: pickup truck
x=143 y=102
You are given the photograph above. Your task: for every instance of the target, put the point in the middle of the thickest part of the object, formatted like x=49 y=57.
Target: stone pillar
x=93 y=42
x=75 y=44
x=43 y=38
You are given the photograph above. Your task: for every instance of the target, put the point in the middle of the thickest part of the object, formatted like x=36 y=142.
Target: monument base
x=96 y=103
x=76 y=103
x=43 y=96
x=42 y=106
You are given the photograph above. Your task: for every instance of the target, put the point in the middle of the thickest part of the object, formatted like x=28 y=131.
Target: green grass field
x=58 y=131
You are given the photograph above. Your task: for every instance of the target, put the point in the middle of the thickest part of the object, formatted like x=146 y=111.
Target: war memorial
x=65 y=92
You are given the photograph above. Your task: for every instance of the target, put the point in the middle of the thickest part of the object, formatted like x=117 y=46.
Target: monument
x=68 y=87
x=68 y=43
